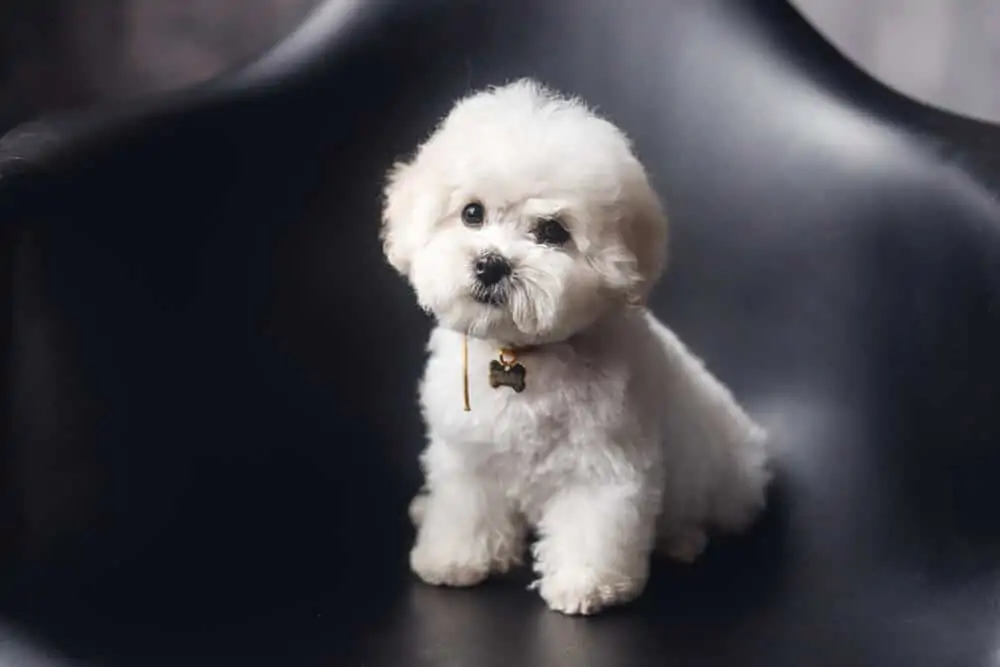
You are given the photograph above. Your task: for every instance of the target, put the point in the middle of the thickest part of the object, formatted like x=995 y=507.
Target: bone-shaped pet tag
x=507 y=373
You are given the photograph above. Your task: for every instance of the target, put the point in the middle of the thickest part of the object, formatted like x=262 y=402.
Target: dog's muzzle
x=490 y=270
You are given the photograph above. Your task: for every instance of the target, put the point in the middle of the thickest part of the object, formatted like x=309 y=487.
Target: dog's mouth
x=495 y=296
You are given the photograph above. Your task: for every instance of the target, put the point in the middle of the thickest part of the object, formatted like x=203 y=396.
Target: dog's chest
x=564 y=398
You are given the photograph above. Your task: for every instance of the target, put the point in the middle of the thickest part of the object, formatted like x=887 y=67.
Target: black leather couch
x=210 y=370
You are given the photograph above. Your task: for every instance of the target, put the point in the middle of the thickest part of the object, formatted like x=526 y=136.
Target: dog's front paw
x=584 y=591
x=458 y=563
x=456 y=567
x=461 y=539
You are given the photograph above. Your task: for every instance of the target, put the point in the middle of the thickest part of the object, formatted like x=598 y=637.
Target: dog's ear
x=407 y=204
x=646 y=232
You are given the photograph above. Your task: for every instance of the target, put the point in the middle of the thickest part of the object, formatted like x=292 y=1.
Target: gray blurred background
x=63 y=53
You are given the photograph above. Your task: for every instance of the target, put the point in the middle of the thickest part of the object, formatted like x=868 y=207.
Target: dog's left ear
x=646 y=236
x=406 y=207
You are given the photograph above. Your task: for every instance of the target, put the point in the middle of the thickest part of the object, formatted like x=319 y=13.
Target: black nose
x=491 y=268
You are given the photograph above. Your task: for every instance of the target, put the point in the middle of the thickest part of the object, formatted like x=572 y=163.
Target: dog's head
x=523 y=217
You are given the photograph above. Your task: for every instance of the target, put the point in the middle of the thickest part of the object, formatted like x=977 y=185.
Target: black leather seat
x=211 y=370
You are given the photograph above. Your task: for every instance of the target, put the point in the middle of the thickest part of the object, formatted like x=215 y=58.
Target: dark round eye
x=551 y=232
x=473 y=214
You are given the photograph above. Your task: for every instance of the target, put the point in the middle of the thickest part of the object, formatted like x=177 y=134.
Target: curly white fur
x=621 y=441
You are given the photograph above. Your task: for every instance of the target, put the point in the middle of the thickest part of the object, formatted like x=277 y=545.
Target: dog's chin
x=492 y=320
x=484 y=316
x=510 y=316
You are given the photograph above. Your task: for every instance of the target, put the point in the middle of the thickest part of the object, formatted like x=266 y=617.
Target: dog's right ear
x=407 y=205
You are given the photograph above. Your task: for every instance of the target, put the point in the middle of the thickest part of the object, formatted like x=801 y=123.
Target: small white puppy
x=554 y=401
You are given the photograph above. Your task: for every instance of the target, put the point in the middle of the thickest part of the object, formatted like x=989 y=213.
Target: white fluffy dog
x=554 y=401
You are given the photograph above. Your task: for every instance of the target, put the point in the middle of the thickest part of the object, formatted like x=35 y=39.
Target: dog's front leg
x=466 y=532
x=594 y=547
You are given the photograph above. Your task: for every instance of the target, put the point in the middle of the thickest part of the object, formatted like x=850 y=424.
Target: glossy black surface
x=211 y=370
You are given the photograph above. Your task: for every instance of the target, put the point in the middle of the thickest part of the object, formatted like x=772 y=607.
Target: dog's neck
x=582 y=339
x=510 y=366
